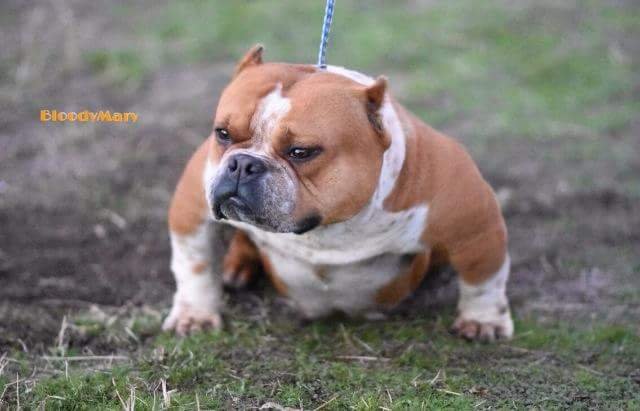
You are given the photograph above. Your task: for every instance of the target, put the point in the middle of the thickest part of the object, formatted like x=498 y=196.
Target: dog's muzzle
x=236 y=194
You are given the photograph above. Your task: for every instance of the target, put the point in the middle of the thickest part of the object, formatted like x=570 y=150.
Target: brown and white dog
x=340 y=195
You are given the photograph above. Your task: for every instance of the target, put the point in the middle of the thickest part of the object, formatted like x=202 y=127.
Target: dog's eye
x=222 y=134
x=301 y=153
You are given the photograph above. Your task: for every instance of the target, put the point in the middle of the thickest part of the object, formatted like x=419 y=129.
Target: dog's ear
x=375 y=93
x=253 y=57
x=375 y=98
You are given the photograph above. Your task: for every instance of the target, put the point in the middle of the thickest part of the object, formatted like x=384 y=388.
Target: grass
x=396 y=364
x=121 y=67
x=503 y=73
x=547 y=80
x=555 y=69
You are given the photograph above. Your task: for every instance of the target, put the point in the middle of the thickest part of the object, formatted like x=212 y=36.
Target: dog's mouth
x=307 y=224
x=234 y=208
x=250 y=207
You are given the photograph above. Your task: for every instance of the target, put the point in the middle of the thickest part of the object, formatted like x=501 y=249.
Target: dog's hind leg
x=242 y=263
x=483 y=270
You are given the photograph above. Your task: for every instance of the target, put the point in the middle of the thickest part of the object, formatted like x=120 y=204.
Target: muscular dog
x=341 y=195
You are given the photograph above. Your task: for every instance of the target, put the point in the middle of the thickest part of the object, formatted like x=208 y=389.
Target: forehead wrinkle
x=270 y=110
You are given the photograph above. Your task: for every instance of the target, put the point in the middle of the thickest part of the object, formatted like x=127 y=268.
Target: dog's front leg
x=198 y=298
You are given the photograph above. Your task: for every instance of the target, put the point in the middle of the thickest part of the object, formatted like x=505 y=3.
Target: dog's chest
x=370 y=233
x=342 y=266
x=317 y=290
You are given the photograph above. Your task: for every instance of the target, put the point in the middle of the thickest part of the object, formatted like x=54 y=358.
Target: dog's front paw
x=184 y=319
x=501 y=328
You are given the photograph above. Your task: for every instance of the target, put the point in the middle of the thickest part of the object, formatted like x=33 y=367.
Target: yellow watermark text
x=85 y=116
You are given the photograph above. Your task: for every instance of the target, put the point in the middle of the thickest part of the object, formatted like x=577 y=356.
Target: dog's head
x=294 y=147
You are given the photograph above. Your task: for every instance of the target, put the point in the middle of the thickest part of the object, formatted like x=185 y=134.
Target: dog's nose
x=236 y=189
x=245 y=167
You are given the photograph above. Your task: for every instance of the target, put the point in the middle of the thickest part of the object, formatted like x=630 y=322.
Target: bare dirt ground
x=82 y=207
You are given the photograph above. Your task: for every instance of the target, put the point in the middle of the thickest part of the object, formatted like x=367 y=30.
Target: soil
x=82 y=207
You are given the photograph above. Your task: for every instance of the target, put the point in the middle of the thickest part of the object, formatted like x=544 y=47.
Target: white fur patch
x=200 y=290
x=369 y=233
x=270 y=111
x=352 y=74
x=487 y=303
x=317 y=290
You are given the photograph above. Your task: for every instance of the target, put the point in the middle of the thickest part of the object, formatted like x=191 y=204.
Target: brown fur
x=465 y=225
x=200 y=267
x=405 y=283
x=253 y=57
x=242 y=261
x=188 y=208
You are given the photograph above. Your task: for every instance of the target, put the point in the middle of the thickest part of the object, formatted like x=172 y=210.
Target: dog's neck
x=394 y=156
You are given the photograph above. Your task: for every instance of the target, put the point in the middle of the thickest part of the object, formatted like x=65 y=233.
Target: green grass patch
x=552 y=69
x=119 y=67
x=396 y=364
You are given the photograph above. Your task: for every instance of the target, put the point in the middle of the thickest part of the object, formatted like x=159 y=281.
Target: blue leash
x=326 y=27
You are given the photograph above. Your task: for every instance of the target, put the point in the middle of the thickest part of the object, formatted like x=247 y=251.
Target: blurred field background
x=545 y=94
